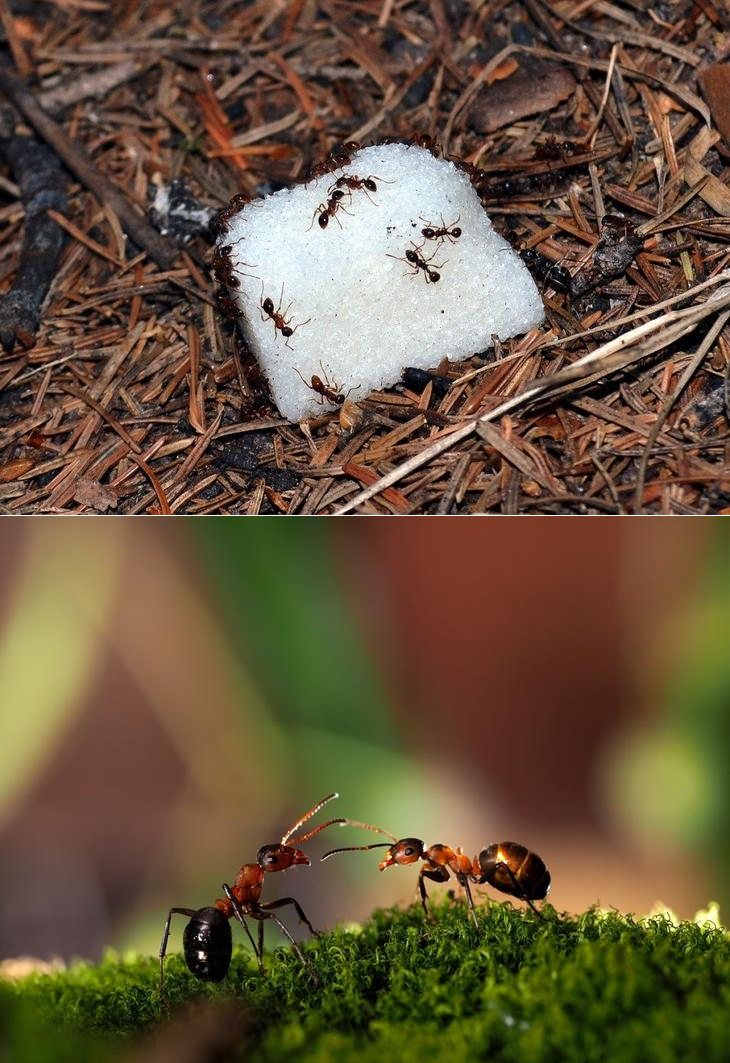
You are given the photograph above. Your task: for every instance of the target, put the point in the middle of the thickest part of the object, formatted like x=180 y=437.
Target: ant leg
x=464 y=883
x=298 y=908
x=261 y=913
x=436 y=874
x=521 y=893
x=189 y=912
x=261 y=943
x=239 y=916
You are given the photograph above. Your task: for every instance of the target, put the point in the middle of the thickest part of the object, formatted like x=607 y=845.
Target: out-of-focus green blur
x=176 y=695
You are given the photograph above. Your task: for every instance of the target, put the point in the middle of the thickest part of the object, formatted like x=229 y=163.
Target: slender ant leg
x=521 y=896
x=464 y=883
x=436 y=874
x=239 y=916
x=299 y=910
x=189 y=912
x=258 y=912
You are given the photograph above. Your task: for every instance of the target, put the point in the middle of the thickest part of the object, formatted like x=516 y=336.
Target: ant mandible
x=506 y=866
x=281 y=322
x=450 y=232
x=417 y=261
x=207 y=939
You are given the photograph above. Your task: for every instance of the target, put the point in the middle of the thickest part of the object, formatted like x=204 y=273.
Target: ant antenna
x=311 y=833
x=360 y=848
x=308 y=815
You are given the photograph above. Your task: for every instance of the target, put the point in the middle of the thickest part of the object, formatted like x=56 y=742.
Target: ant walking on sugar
x=328 y=210
x=330 y=392
x=354 y=183
x=450 y=232
x=281 y=322
x=415 y=259
x=207 y=940
x=506 y=866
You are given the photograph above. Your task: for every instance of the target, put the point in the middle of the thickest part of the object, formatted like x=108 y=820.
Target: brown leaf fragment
x=715 y=84
x=713 y=191
x=94 y=495
x=534 y=87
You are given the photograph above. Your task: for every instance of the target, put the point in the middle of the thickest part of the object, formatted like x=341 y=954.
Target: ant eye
x=408 y=851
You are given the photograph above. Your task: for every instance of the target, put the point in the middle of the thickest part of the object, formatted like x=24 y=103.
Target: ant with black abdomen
x=328 y=210
x=450 y=232
x=416 y=260
x=281 y=322
x=506 y=866
x=207 y=939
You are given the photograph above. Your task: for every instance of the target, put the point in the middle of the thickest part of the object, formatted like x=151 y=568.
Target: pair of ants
x=207 y=939
x=416 y=260
x=344 y=186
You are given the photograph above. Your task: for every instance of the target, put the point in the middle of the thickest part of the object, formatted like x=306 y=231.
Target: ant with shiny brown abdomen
x=450 y=232
x=207 y=940
x=506 y=866
x=281 y=322
x=416 y=260
x=331 y=392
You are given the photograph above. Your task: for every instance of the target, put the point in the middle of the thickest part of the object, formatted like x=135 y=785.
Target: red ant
x=322 y=387
x=335 y=160
x=506 y=866
x=450 y=232
x=225 y=272
x=224 y=216
x=281 y=323
x=353 y=183
x=328 y=210
x=207 y=941
x=417 y=261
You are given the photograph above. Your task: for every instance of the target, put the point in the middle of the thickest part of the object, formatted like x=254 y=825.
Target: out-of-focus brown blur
x=175 y=696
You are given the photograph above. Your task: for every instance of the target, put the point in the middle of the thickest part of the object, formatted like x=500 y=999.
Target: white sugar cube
x=364 y=291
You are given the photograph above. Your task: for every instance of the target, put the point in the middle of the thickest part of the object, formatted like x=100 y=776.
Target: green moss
x=591 y=987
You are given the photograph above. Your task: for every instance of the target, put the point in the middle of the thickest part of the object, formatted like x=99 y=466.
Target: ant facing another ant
x=416 y=260
x=506 y=866
x=331 y=392
x=207 y=939
x=281 y=322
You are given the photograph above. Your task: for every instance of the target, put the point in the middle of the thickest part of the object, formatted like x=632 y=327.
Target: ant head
x=280 y=857
x=428 y=232
x=337 y=194
x=268 y=306
x=406 y=851
x=351 y=146
x=411 y=255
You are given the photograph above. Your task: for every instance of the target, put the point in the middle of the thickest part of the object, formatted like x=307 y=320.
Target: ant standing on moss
x=207 y=941
x=506 y=866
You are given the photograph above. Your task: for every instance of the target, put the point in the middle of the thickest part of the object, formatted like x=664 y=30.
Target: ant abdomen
x=208 y=945
x=511 y=868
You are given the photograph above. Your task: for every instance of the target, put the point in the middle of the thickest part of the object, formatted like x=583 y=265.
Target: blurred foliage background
x=175 y=695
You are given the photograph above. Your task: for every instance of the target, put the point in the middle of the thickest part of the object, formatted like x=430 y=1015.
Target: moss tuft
x=599 y=986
